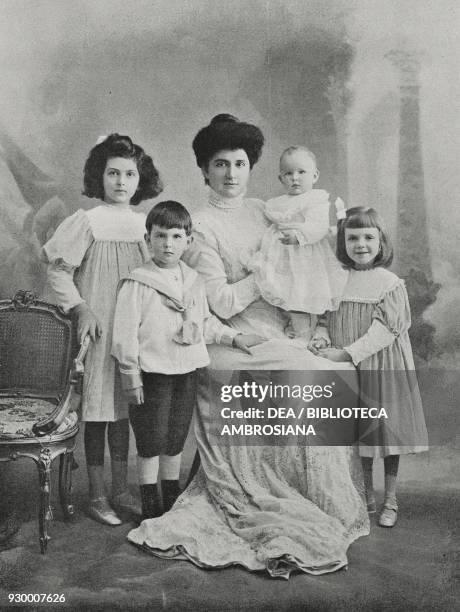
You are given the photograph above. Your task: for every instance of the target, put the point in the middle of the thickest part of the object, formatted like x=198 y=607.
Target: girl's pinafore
x=88 y=255
x=372 y=324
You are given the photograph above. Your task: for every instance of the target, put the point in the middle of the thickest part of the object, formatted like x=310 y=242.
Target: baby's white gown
x=306 y=277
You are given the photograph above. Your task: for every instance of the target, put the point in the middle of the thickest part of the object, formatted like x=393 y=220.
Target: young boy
x=161 y=327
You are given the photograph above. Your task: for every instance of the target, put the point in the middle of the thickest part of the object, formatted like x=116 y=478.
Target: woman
x=277 y=508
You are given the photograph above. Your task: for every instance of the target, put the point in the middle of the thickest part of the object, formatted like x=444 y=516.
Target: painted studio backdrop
x=372 y=88
x=367 y=85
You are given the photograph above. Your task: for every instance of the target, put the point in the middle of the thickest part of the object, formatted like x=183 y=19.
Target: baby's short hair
x=169 y=214
x=295 y=148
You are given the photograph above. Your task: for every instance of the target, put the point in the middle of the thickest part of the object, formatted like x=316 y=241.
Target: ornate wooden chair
x=41 y=367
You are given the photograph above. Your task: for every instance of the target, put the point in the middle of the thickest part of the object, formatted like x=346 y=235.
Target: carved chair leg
x=45 y=513
x=65 y=484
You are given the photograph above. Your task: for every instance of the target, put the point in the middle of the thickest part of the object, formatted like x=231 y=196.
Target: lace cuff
x=216 y=332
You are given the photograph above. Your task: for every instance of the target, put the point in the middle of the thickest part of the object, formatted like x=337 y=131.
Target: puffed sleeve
x=125 y=338
x=64 y=253
x=70 y=241
x=390 y=319
x=394 y=310
x=225 y=299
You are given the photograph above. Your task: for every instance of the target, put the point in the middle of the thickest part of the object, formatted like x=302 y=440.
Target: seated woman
x=278 y=508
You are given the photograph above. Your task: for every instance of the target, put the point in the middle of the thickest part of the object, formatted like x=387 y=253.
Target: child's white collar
x=369 y=286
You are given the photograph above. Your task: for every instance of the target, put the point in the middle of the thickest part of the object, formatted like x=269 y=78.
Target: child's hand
x=245 y=341
x=87 y=322
x=315 y=345
x=334 y=354
x=135 y=396
x=319 y=340
x=288 y=237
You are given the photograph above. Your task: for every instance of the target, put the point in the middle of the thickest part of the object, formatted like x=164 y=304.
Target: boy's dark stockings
x=170 y=491
x=151 y=503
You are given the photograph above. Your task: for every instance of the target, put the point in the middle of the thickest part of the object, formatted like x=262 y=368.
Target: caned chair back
x=35 y=347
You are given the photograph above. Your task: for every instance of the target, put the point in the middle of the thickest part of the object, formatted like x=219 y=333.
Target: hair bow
x=340 y=209
x=101 y=139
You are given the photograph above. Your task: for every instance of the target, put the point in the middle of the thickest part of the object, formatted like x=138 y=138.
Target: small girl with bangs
x=370 y=328
x=87 y=256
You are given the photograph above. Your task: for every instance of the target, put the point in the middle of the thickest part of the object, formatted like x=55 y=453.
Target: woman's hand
x=87 y=322
x=245 y=341
x=250 y=259
x=135 y=396
x=334 y=354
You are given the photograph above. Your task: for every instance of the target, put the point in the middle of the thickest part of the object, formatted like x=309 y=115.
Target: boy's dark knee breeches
x=162 y=422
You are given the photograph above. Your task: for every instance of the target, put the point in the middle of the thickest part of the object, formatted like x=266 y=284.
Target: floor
x=409 y=567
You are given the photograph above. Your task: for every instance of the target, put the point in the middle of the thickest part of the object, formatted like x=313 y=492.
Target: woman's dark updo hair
x=150 y=184
x=226 y=132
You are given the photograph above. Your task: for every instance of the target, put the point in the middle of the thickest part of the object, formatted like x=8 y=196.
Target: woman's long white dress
x=277 y=508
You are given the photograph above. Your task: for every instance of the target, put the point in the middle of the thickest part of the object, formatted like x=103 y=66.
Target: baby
x=295 y=268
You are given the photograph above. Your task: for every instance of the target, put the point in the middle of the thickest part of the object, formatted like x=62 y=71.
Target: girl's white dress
x=278 y=508
x=306 y=277
x=88 y=255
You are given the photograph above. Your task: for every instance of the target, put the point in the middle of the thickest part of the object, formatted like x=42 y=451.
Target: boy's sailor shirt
x=163 y=327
